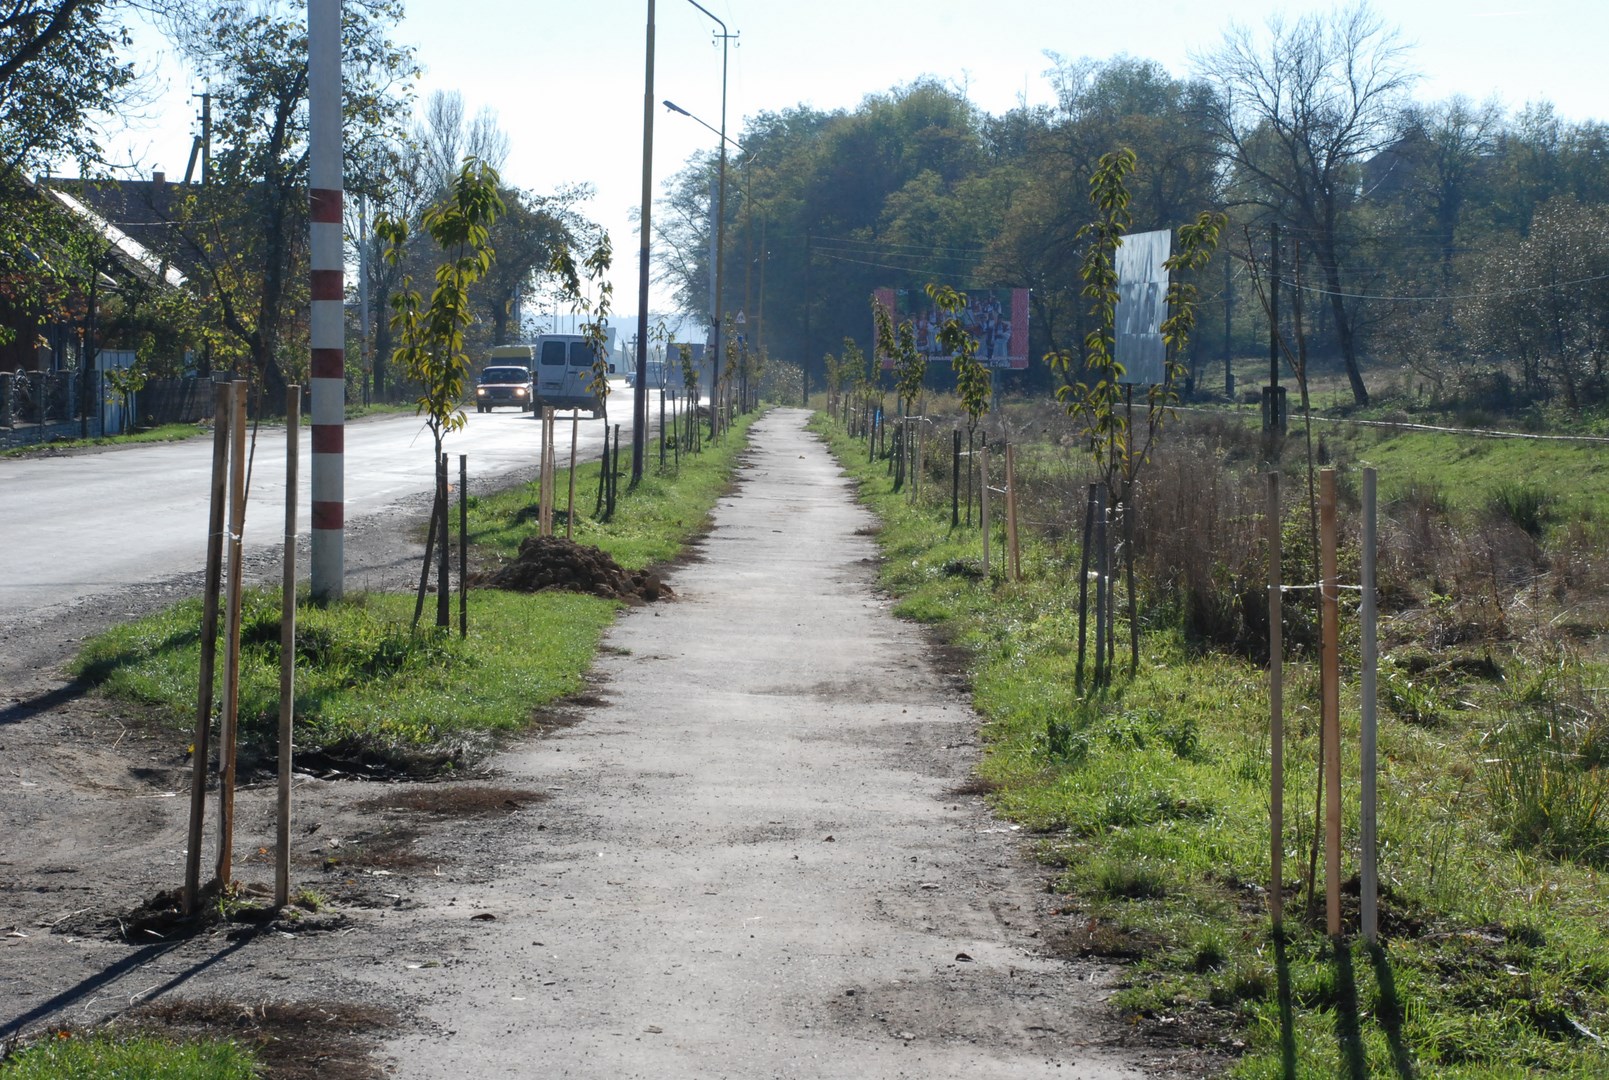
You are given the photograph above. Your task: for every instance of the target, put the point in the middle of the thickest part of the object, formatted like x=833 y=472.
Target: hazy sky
x=566 y=78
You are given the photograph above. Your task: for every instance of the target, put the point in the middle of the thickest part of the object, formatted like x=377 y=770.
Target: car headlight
x=481 y=391
x=519 y=391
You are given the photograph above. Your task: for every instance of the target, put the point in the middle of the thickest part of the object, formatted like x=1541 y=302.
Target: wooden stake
x=228 y=725
x=424 y=573
x=222 y=413
x=463 y=545
x=575 y=436
x=1330 y=710
x=1083 y=584
x=287 y=647
x=548 y=478
x=1276 y=710
x=983 y=472
x=955 y=478
x=1369 y=872
x=1013 y=553
x=1102 y=609
x=921 y=460
x=444 y=585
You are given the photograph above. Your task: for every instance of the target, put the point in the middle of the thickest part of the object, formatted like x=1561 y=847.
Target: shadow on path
x=133 y=962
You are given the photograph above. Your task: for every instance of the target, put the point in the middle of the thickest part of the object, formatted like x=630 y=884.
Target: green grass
x=162 y=433
x=103 y=1058
x=652 y=523
x=1150 y=800
x=1474 y=474
x=366 y=684
x=368 y=688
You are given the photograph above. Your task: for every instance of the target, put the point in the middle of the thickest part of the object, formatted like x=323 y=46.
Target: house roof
x=140 y=212
x=136 y=255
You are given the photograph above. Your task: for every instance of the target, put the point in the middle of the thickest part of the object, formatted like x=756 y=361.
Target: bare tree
x=445 y=138
x=1448 y=142
x=1296 y=115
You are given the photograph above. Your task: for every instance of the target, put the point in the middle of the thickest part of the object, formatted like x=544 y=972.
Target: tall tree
x=60 y=70
x=531 y=231
x=1295 y=115
x=444 y=138
x=1543 y=302
x=246 y=229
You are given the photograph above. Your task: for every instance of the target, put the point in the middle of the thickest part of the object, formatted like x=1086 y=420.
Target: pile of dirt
x=552 y=562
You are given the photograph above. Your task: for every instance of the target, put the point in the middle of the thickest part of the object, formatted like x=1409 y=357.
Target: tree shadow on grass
x=1287 y=1021
x=1347 y=1031
x=1388 y=1011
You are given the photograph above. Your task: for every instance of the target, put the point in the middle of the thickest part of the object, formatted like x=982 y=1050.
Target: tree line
x=1451 y=246
x=1455 y=246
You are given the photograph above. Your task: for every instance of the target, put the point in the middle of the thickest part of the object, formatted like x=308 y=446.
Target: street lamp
x=720 y=222
x=720 y=245
x=748 y=156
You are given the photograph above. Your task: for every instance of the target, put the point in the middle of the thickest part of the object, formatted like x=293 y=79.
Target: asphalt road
x=79 y=526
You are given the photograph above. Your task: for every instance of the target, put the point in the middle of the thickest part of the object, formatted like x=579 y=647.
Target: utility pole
x=809 y=357
x=724 y=37
x=639 y=396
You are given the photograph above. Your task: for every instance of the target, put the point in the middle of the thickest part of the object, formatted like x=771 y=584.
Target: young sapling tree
x=431 y=335
x=973 y=380
x=1102 y=401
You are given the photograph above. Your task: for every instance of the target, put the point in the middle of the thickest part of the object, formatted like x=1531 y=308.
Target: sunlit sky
x=567 y=79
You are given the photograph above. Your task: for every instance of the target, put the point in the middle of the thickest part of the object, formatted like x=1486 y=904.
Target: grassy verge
x=97 y=1057
x=652 y=524
x=370 y=690
x=1539 y=483
x=1149 y=803
x=160 y=434
x=368 y=686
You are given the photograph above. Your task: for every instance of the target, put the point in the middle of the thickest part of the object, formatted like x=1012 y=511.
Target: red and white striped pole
x=327 y=566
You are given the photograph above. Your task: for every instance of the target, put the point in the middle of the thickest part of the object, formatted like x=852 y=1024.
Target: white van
x=563 y=371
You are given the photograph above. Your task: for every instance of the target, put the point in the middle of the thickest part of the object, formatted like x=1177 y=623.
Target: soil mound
x=552 y=562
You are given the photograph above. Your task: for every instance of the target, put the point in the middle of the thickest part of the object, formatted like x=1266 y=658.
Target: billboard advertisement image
x=1142 y=306
x=996 y=318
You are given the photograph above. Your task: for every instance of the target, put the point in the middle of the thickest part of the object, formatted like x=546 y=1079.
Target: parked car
x=504 y=385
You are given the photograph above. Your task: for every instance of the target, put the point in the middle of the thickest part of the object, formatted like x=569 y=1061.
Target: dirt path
x=755 y=862
x=750 y=856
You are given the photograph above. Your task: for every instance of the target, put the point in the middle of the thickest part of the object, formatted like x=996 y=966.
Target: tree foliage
x=246 y=229
x=897 y=344
x=60 y=72
x=431 y=334
x=973 y=382
x=594 y=300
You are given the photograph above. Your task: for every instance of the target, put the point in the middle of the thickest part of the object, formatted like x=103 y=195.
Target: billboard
x=1142 y=305
x=996 y=318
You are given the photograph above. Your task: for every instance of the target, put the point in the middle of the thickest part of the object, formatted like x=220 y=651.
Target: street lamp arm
x=711 y=128
x=710 y=13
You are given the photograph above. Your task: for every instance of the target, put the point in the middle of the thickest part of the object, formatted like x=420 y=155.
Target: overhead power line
x=1494 y=294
